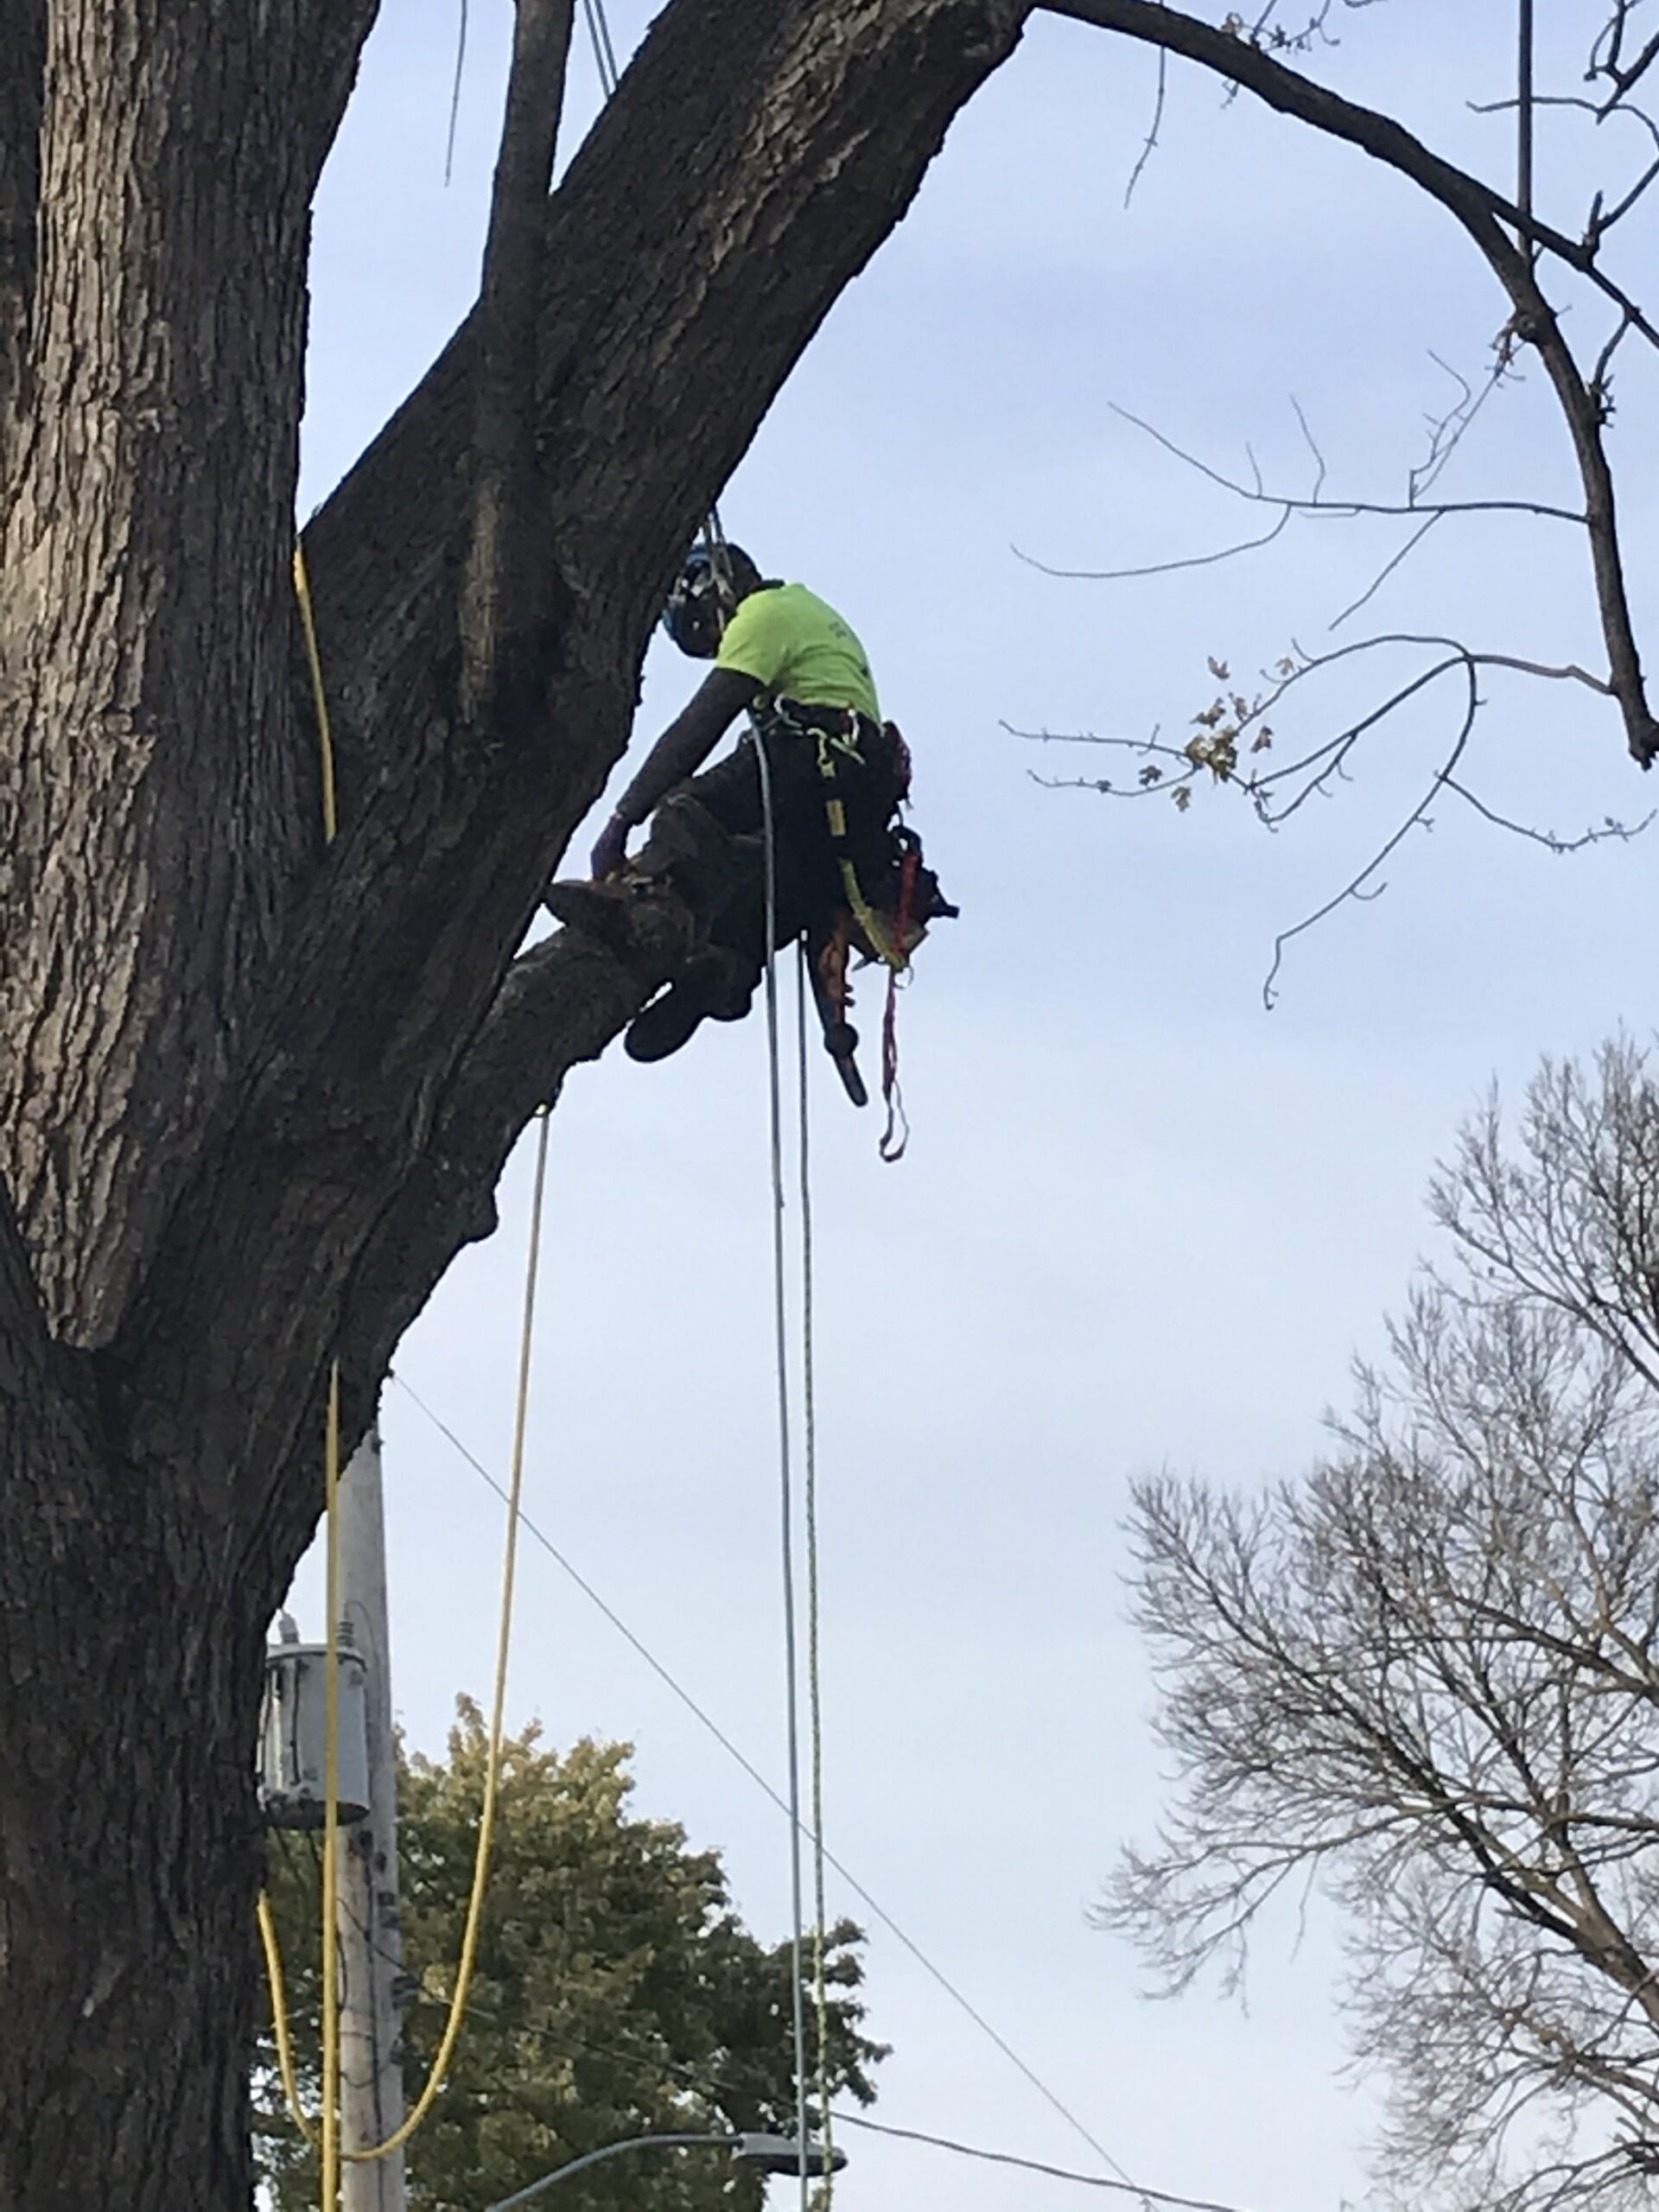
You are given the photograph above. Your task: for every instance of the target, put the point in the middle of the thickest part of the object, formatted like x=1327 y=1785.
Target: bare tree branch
x=1363 y=885
x=1620 y=832
x=499 y=595
x=1427 y=1674
x=1315 y=504
x=1482 y=213
x=1151 y=145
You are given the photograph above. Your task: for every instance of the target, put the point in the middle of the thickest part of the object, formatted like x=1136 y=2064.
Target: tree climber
x=850 y=876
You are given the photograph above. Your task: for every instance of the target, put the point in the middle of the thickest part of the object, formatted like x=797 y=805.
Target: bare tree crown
x=1425 y=1678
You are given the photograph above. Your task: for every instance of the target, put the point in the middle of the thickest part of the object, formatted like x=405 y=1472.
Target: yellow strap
x=873 y=928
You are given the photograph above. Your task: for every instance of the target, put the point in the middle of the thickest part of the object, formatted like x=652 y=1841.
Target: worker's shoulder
x=795 y=607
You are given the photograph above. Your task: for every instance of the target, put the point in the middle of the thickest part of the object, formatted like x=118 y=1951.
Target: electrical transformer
x=294 y=1737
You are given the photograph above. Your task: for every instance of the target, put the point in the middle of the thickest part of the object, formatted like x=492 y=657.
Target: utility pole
x=371 y=1950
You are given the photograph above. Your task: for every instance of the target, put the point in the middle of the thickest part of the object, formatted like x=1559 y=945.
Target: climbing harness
x=885 y=923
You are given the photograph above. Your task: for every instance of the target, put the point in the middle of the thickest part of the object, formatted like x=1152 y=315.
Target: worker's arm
x=678 y=753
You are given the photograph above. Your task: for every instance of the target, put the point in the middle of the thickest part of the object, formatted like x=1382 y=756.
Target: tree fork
x=254 y=1093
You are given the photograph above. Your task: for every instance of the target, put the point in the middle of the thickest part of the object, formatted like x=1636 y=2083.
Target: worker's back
x=796 y=645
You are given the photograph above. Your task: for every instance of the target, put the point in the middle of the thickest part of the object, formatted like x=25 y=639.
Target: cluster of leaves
x=1221 y=728
x=617 y=1993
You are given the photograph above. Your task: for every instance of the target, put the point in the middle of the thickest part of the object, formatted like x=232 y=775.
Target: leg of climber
x=727 y=884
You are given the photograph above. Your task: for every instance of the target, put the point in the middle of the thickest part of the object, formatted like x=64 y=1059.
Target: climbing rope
x=786 y=1483
x=814 y=1685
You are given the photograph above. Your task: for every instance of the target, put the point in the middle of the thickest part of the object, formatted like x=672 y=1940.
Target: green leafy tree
x=617 y=1991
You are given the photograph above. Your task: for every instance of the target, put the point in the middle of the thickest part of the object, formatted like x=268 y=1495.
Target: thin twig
x=1147 y=151
x=1383 y=573
x=1359 y=887
x=1344 y=506
x=1157 y=568
x=1621 y=832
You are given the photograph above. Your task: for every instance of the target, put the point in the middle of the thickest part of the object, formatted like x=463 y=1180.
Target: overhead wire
x=1147 y=2196
x=706 y=1720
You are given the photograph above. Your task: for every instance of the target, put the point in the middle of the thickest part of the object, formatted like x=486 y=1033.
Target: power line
x=1034 y=2165
x=707 y=1721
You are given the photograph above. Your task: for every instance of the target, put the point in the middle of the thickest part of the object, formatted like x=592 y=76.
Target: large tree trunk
x=256 y=1091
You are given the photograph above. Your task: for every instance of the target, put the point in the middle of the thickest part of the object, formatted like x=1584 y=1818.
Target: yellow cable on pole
x=279 y=2017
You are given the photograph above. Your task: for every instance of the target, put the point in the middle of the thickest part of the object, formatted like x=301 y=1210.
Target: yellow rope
x=279 y=2017
x=491 y=1773
x=313 y=661
x=326 y=2139
x=497 y=1715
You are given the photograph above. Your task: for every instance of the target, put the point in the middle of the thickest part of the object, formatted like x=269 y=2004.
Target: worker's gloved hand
x=611 y=852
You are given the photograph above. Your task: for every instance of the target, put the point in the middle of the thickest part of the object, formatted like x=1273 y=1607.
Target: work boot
x=716 y=986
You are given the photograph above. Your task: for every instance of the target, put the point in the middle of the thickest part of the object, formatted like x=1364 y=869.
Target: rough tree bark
x=255 y=1091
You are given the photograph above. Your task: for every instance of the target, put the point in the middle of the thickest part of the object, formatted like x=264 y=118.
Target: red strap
x=896 y=1136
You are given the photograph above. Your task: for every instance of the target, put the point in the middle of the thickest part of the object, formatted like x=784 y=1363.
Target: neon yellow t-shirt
x=791 y=642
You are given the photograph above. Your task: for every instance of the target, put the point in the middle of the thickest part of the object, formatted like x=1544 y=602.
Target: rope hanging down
x=814 y=1685
x=324 y=2136
x=780 y=1323
x=792 y=1668
x=319 y=2136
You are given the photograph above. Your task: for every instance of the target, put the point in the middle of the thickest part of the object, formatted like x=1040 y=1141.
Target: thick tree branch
x=562 y=1004
x=752 y=160
x=509 y=550
x=1482 y=213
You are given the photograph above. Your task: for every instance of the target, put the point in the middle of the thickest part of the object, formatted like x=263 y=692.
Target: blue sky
x=1143 y=1222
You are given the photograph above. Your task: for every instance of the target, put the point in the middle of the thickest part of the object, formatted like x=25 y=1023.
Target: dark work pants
x=809 y=882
